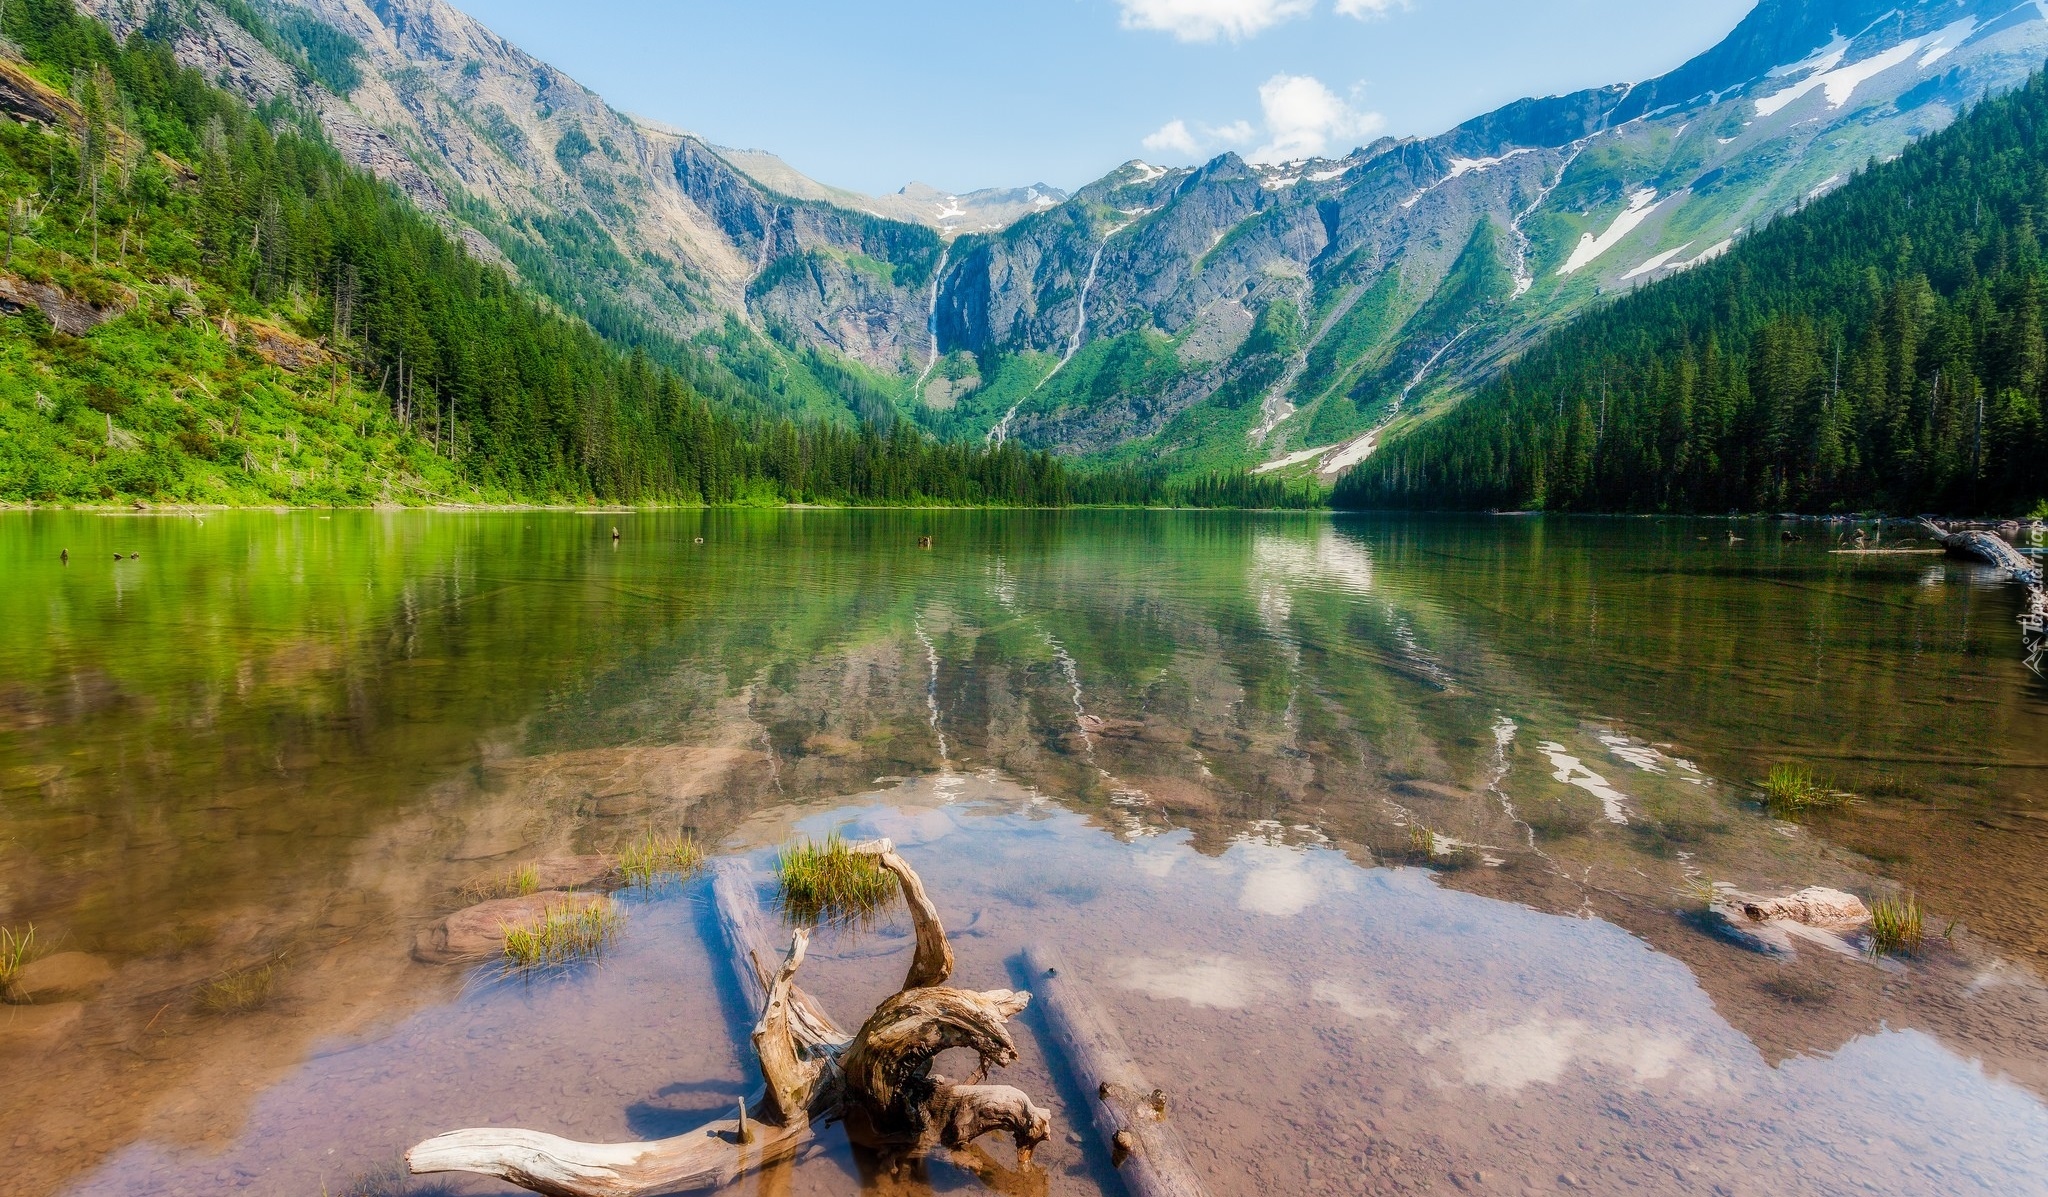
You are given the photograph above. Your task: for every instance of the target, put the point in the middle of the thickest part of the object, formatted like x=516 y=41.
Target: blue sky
x=981 y=93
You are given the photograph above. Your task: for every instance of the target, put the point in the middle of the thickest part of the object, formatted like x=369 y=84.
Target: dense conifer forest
x=1883 y=348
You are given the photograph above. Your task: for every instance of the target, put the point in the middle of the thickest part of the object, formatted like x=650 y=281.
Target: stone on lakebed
x=64 y=975
x=479 y=931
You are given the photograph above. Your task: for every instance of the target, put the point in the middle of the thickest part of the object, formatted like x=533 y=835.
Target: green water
x=286 y=740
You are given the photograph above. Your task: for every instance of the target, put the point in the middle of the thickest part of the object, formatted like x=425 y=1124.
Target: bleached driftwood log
x=1131 y=1115
x=1993 y=550
x=879 y=1081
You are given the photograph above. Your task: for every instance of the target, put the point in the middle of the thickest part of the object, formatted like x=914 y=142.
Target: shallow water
x=1376 y=836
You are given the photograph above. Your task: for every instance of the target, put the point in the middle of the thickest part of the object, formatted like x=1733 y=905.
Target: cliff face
x=1400 y=272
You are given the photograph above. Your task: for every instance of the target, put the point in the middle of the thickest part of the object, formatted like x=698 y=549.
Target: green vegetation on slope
x=1884 y=347
x=223 y=243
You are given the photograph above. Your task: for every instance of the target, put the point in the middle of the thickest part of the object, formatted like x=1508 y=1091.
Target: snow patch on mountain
x=1657 y=263
x=1590 y=248
x=1942 y=44
x=1460 y=167
x=1838 y=83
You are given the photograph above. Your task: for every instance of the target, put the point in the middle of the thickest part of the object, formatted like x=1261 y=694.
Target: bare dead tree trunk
x=879 y=1080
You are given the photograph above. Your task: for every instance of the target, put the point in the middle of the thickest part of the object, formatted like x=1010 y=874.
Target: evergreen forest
x=1880 y=349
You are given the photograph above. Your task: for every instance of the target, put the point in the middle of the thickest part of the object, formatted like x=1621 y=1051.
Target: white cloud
x=1305 y=119
x=1173 y=137
x=1367 y=10
x=1176 y=139
x=1207 y=20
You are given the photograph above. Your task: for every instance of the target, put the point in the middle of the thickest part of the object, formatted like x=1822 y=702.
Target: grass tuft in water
x=1896 y=925
x=567 y=932
x=17 y=948
x=518 y=883
x=241 y=991
x=658 y=856
x=1699 y=891
x=828 y=882
x=1793 y=789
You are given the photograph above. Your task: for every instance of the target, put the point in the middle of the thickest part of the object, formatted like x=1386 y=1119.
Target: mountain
x=986 y=211
x=1884 y=347
x=1410 y=269
x=204 y=302
x=1213 y=317
x=649 y=233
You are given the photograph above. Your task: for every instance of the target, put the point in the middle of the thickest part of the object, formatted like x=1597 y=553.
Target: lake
x=1384 y=840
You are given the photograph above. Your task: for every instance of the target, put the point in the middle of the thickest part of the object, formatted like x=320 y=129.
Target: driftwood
x=1993 y=550
x=1133 y=1117
x=878 y=1081
x=1988 y=548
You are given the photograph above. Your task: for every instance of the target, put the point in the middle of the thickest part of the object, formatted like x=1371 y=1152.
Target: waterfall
x=1001 y=432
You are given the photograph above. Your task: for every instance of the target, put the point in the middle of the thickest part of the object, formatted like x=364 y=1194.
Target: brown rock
x=479 y=931
x=574 y=872
x=282 y=348
x=23 y=95
x=64 y=975
x=26 y=1029
x=1815 y=906
x=68 y=312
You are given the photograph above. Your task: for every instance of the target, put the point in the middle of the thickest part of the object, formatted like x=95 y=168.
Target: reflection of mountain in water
x=274 y=768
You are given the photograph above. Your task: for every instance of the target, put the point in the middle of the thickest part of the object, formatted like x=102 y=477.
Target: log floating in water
x=1131 y=1115
x=1993 y=550
x=1990 y=549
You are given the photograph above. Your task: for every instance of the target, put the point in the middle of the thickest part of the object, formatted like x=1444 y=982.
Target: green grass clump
x=518 y=883
x=1699 y=891
x=1794 y=789
x=828 y=882
x=657 y=856
x=1896 y=925
x=17 y=948
x=566 y=933
x=240 y=991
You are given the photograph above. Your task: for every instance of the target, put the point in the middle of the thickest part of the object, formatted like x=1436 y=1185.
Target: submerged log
x=879 y=1081
x=1131 y=1115
x=751 y=950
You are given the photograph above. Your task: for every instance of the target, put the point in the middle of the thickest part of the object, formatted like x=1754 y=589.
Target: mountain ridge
x=1151 y=276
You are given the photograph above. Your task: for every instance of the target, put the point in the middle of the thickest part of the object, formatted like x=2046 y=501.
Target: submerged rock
x=38 y=1028
x=1816 y=906
x=479 y=931
x=575 y=872
x=1824 y=917
x=64 y=975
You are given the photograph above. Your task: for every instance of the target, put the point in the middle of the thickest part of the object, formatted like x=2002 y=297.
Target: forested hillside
x=206 y=304
x=1882 y=348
